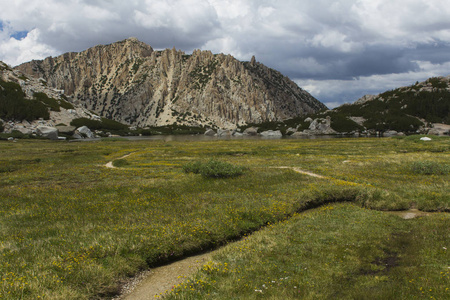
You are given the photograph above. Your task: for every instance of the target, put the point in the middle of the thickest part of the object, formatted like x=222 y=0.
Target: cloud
x=321 y=42
x=335 y=92
x=17 y=47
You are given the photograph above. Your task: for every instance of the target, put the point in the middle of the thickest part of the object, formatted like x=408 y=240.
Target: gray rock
x=47 y=132
x=271 y=133
x=24 y=130
x=77 y=136
x=309 y=120
x=85 y=132
x=300 y=133
x=320 y=126
x=390 y=133
x=210 y=132
x=251 y=131
x=291 y=130
x=66 y=129
x=222 y=132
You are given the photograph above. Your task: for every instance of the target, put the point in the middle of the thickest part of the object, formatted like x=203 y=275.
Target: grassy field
x=70 y=228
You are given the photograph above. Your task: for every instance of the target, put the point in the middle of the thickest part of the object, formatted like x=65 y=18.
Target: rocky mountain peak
x=130 y=82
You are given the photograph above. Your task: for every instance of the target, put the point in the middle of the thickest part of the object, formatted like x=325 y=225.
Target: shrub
x=192 y=167
x=120 y=163
x=104 y=124
x=50 y=102
x=14 y=105
x=213 y=169
x=430 y=168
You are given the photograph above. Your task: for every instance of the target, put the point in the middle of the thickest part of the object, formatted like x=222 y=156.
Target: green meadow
x=71 y=228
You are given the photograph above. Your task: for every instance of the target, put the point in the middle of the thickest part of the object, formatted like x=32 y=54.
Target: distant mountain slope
x=401 y=108
x=407 y=109
x=417 y=108
x=130 y=82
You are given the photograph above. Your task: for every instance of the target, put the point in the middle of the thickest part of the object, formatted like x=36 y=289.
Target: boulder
x=271 y=133
x=291 y=130
x=223 y=132
x=210 y=132
x=390 y=133
x=66 y=129
x=300 y=133
x=251 y=131
x=24 y=130
x=47 y=132
x=425 y=139
x=320 y=126
x=84 y=132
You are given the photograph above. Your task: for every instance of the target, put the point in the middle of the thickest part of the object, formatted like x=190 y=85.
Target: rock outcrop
x=319 y=126
x=29 y=87
x=130 y=82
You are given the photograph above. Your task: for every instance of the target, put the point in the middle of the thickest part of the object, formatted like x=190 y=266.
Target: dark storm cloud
x=345 y=48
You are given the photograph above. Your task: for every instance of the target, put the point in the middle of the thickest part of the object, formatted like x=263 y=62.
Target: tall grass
x=430 y=168
x=213 y=169
x=73 y=229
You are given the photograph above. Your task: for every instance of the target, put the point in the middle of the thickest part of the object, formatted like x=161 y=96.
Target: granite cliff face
x=28 y=104
x=130 y=82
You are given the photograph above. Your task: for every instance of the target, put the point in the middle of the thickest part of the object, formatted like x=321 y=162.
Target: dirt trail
x=110 y=164
x=156 y=282
x=298 y=170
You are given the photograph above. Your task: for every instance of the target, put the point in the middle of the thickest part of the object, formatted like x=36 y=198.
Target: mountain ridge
x=130 y=82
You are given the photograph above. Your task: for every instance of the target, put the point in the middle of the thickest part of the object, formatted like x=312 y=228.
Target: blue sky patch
x=19 y=35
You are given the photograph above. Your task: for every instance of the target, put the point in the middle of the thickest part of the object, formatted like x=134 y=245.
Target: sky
x=336 y=50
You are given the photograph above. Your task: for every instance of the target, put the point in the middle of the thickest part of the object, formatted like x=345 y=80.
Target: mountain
x=403 y=109
x=130 y=82
x=420 y=108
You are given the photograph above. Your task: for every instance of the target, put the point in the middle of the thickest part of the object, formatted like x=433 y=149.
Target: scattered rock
x=439 y=129
x=300 y=133
x=66 y=129
x=271 y=133
x=320 y=126
x=210 y=132
x=390 y=133
x=223 y=132
x=251 y=131
x=47 y=132
x=84 y=132
x=291 y=130
x=24 y=130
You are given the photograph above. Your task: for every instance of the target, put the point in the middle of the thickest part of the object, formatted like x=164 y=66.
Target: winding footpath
x=110 y=164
